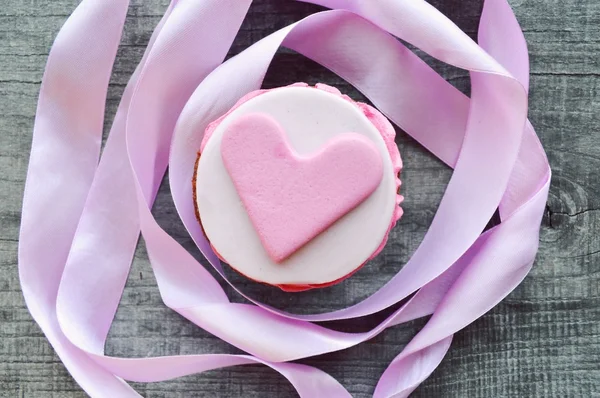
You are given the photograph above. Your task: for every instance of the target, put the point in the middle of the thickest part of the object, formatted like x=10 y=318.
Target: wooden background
x=542 y=341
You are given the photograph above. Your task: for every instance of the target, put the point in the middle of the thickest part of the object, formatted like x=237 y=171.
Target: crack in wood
x=578 y=213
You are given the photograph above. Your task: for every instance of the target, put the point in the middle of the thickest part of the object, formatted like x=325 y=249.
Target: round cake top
x=296 y=186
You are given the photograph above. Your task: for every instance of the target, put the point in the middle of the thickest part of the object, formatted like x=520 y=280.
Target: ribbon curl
x=74 y=259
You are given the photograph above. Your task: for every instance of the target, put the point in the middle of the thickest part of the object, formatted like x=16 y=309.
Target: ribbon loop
x=74 y=259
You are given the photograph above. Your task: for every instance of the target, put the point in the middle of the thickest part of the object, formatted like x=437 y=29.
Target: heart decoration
x=290 y=198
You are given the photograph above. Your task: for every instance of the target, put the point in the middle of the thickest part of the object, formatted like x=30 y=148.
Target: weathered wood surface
x=542 y=341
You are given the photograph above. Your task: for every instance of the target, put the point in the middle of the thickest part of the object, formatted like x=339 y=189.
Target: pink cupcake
x=298 y=187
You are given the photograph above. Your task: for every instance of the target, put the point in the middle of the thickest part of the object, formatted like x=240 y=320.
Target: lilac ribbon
x=82 y=217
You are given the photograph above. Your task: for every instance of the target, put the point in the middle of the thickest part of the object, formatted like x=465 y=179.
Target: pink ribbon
x=82 y=218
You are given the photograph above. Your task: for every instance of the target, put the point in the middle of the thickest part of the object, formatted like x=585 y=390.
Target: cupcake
x=298 y=187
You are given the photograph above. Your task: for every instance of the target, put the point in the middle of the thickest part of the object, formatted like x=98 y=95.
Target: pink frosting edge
x=388 y=133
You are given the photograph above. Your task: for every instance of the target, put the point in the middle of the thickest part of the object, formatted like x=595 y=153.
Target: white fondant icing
x=310 y=117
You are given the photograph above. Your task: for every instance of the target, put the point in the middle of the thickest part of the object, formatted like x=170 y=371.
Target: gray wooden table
x=542 y=341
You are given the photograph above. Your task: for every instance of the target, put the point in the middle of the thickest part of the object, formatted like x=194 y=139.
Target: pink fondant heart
x=289 y=198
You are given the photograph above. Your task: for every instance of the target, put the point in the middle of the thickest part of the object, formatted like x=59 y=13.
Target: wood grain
x=542 y=341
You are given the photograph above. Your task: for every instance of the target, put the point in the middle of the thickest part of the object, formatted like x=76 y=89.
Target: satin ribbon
x=82 y=215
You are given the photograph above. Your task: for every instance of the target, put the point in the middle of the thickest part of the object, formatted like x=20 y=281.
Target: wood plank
x=542 y=341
